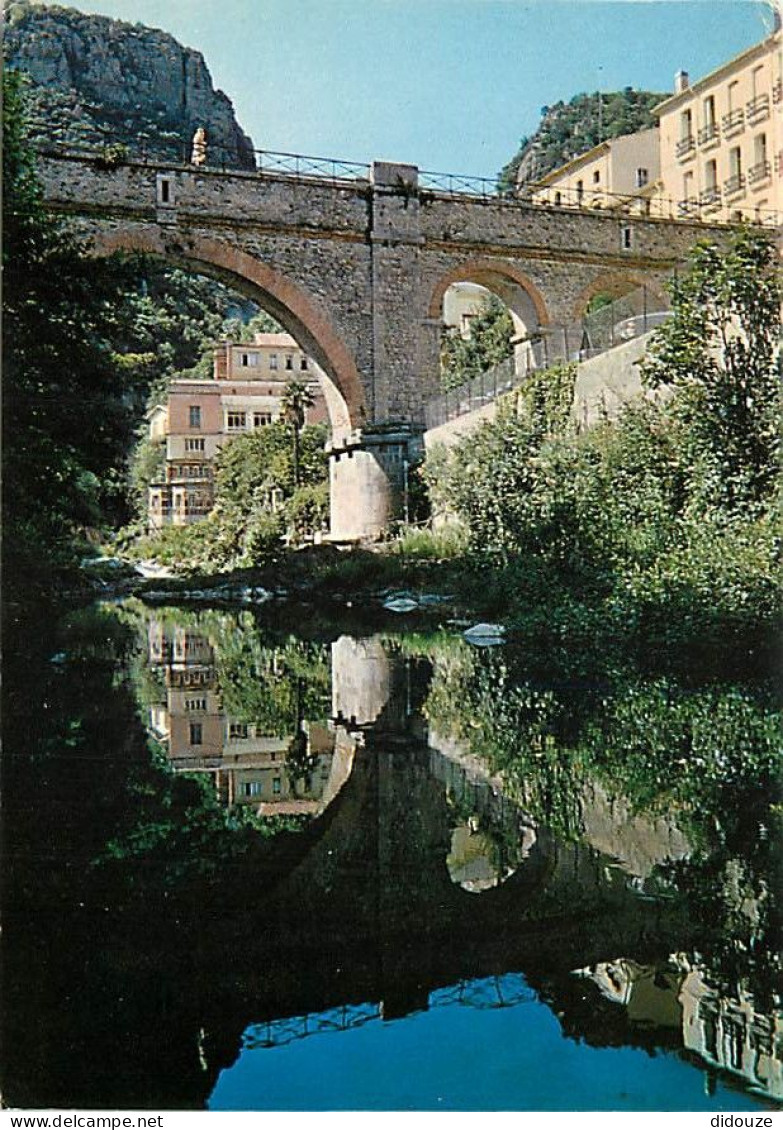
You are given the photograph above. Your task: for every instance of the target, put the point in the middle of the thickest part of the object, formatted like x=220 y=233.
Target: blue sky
x=450 y=85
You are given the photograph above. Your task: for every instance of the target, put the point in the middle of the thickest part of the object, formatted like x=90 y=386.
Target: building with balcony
x=200 y=416
x=721 y=140
x=621 y=172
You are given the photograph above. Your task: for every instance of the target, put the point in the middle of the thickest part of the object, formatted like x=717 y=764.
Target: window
x=194 y=444
x=733 y=95
x=249 y=360
x=165 y=190
x=760 y=149
x=195 y=416
x=252 y=788
x=711 y=175
x=735 y=162
x=558 y=199
x=642 y=177
x=709 y=111
x=196 y=704
x=235 y=421
x=686 y=123
x=276 y=785
x=272 y=360
x=626 y=237
x=580 y=191
x=289 y=361
x=195 y=733
x=303 y=364
x=237 y=729
x=261 y=419
x=597 y=176
x=757 y=78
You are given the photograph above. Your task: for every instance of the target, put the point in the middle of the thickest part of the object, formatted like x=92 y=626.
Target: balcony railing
x=734 y=185
x=689 y=206
x=759 y=172
x=685 y=147
x=709 y=133
x=733 y=122
x=777 y=92
x=757 y=109
x=710 y=197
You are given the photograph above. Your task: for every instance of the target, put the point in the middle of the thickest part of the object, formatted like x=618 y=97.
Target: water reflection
x=421 y=826
x=250 y=762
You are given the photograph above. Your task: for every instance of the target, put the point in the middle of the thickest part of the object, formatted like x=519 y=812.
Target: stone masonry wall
x=354 y=269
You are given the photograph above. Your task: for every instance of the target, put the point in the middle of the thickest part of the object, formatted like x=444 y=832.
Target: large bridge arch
x=285 y=300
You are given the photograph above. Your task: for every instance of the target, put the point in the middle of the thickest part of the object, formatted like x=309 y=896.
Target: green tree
x=66 y=422
x=297 y=398
x=487 y=344
x=718 y=352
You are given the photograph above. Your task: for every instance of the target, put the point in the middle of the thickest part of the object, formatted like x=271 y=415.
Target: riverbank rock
x=485 y=635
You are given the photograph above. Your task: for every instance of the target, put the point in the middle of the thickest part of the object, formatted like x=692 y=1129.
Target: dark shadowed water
x=269 y=862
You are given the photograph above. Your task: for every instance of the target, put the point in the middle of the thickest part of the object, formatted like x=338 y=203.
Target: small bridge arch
x=507 y=281
x=617 y=285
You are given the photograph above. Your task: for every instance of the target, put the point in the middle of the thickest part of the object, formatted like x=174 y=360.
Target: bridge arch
x=503 y=279
x=616 y=285
x=285 y=300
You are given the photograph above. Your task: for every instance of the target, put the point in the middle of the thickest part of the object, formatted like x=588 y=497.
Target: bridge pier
x=368 y=481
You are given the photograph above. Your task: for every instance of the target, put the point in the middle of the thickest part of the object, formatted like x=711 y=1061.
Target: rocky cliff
x=99 y=81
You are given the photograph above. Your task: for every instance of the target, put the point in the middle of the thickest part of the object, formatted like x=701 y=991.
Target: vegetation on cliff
x=569 y=129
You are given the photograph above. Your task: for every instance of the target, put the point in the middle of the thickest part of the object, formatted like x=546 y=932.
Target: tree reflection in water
x=616 y=826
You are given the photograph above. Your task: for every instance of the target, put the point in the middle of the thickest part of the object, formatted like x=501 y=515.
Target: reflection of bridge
x=304 y=931
x=356 y=270
x=506 y=991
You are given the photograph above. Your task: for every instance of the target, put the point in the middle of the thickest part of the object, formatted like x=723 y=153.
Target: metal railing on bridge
x=503 y=991
x=620 y=320
x=302 y=167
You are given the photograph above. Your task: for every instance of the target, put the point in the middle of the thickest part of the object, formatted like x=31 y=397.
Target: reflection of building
x=726 y=1033
x=287 y=775
x=199 y=417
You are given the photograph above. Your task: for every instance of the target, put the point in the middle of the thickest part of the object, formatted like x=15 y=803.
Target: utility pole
x=600 y=109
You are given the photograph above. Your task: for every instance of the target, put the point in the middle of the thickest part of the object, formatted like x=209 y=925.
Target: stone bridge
x=356 y=268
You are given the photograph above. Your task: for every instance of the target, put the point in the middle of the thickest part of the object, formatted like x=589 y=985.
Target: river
x=271 y=860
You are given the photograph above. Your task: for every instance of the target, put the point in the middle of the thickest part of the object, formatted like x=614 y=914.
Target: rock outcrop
x=100 y=81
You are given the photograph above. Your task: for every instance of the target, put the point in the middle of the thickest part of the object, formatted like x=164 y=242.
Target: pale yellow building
x=621 y=172
x=722 y=140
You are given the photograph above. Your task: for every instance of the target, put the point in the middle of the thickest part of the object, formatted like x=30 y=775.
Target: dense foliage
x=662 y=521
x=569 y=129
x=257 y=502
x=486 y=345
x=66 y=418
